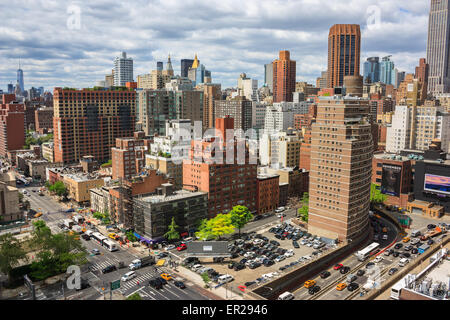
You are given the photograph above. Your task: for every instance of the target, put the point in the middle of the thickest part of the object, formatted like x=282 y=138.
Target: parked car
x=398 y=246
x=239 y=266
x=182 y=247
x=280 y=258
x=360 y=273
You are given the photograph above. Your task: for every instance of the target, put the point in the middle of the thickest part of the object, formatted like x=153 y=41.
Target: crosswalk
x=142 y=279
x=101 y=265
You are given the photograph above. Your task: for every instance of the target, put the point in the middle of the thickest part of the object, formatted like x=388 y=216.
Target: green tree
x=240 y=216
x=130 y=236
x=58 y=251
x=216 y=227
x=172 y=233
x=206 y=278
x=303 y=212
x=11 y=253
x=135 y=296
x=375 y=194
x=59 y=188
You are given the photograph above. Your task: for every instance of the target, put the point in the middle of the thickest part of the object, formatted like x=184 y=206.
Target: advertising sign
x=391 y=180
x=438 y=184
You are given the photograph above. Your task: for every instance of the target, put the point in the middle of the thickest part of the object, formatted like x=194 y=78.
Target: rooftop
x=177 y=195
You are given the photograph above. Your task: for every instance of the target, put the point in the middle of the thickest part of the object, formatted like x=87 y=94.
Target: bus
x=368 y=251
x=99 y=238
x=397 y=288
x=111 y=246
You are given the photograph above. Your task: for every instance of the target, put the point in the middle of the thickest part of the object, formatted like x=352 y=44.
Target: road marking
x=136 y=291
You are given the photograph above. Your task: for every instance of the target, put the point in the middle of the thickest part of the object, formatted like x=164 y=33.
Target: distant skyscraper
x=10 y=88
x=438 y=56
x=371 y=70
x=387 y=71
x=344 y=48
x=159 y=66
x=284 y=73
x=169 y=67
x=197 y=72
x=20 y=78
x=268 y=76
x=123 y=70
x=185 y=65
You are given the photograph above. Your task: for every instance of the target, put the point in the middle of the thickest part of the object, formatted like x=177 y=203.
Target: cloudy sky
x=63 y=43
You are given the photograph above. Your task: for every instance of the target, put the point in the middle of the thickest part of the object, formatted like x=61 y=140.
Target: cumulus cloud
x=74 y=43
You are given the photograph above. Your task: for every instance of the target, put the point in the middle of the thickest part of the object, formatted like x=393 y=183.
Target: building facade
x=341 y=168
x=284 y=75
x=344 y=47
x=12 y=128
x=438 y=56
x=123 y=70
x=87 y=122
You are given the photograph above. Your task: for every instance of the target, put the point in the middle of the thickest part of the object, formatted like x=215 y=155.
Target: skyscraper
x=344 y=48
x=123 y=70
x=169 y=68
x=341 y=168
x=185 y=65
x=20 y=78
x=438 y=56
x=387 y=71
x=268 y=76
x=371 y=70
x=159 y=65
x=284 y=73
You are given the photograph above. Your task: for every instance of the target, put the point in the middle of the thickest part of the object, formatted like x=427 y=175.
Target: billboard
x=437 y=184
x=391 y=179
x=208 y=249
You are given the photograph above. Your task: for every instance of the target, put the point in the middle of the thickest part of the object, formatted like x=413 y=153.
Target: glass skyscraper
x=371 y=70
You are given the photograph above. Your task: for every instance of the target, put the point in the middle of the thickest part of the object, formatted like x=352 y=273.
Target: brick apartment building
x=267 y=193
x=12 y=125
x=227 y=185
x=87 y=122
x=341 y=168
x=128 y=157
x=44 y=120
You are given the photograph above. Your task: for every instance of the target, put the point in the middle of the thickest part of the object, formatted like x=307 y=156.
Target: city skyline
x=231 y=43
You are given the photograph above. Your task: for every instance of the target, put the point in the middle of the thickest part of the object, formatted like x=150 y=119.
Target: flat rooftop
x=177 y=195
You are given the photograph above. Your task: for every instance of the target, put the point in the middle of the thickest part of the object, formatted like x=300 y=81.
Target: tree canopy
x=240 y=216
x=172 y=233
x=11 y=253
x=215 y=228
x=375 y=194
x=303 y=212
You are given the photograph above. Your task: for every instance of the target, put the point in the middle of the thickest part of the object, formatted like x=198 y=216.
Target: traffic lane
x=335 y=275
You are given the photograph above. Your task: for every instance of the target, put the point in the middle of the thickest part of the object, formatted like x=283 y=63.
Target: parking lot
x=260 y=257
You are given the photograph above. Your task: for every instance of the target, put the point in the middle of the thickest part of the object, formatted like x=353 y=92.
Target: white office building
x=123 y=70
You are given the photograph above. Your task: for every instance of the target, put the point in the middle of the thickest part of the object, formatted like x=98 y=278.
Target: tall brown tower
x=284 y=72
x=341 y=168
x=344 y=49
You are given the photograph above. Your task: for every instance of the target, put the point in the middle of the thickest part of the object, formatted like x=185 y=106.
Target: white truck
x=68 y=223
x=77 y=229
x=78 y=219
x=140 y=263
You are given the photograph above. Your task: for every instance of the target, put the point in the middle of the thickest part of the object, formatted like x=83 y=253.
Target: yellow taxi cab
x=113 y=236
x=37 y=215
x=166 y=276
x=341 y=286
x=309 y=283
x=406 y=239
